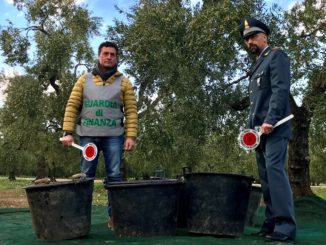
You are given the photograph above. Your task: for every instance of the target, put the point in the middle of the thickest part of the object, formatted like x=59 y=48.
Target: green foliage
x=183 y=60
x=14 y=46
x=318 y=143
x=20 y=120
x=32 y=116
x=305 y=39
x=60 y=29
x=222 y=154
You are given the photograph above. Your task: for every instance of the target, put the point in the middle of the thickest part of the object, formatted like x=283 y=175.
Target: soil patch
x=13 y=199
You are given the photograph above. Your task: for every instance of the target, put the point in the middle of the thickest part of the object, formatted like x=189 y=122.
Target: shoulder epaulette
x=267 y=53
x=273 y=49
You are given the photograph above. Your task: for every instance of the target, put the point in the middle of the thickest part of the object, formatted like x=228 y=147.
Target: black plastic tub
x=144 y=208
x=254 y=202
x=183 y=207
x=61 y=210
x=217 y=203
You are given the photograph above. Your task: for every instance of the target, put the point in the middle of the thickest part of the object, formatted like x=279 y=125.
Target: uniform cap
x=252 y=26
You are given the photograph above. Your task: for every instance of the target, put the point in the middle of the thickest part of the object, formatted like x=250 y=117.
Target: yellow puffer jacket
x=128 y=99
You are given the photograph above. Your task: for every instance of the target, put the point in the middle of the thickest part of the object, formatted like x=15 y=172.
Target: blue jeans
x=112 y=148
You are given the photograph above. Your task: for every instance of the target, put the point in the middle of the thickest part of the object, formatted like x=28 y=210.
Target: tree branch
x=235 y=82
x=80 y=64
x=150 y=106
x=53 y=79
x=35 y=28
x=321 y=27
x=313 y=33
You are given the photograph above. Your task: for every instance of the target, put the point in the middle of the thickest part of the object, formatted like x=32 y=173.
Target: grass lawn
x=320 y=191
x=99 y=193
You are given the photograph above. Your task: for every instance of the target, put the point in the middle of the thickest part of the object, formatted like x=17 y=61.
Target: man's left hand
x=129 y=144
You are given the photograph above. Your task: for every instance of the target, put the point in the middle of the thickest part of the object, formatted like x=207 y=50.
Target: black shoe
x=278 y=236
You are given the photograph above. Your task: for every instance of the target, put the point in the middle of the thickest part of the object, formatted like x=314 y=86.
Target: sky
x=100 y=8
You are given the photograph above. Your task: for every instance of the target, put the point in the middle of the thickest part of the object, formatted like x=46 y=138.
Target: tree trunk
x=40 y=167
x=299 y=159
x=12 y=175
x=52 y=172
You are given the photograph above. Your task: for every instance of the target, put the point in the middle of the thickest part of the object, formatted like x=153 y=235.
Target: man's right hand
x=67 y=140
x=266 y=128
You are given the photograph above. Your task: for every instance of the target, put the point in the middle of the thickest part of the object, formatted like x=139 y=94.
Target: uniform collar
x=259 y=60
x=263 y=53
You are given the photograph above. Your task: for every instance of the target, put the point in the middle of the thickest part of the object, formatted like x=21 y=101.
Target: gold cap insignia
x=246 y=25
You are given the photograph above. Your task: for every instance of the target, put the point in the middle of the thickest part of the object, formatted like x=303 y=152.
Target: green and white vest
x=102 y=113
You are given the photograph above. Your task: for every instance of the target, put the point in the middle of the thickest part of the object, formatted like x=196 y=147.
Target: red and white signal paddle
x=249 y=139
x=89 y=151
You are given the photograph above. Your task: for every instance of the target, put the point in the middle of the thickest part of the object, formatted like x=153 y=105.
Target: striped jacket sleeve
x=130 y=108
x=74 y=105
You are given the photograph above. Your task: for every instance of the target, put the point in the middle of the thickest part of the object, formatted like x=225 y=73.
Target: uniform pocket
x=262 y=80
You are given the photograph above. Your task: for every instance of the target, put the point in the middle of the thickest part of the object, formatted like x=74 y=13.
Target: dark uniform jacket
x=269 y=89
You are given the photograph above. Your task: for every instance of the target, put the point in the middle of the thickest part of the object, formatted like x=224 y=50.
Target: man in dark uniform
x=269 y=102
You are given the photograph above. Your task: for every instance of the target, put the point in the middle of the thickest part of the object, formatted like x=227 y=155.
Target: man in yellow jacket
x=102 y=109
